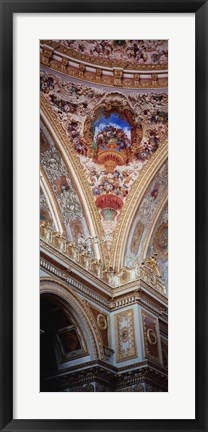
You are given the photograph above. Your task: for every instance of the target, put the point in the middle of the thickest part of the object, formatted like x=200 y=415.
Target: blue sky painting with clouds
x=114 y=121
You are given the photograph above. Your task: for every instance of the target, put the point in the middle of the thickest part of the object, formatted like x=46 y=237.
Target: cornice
x=142 y=298
x=145 y=372
x=140 y=293
x=71 y=266
x=79 y=287
x=103 y=72
x=114 y=369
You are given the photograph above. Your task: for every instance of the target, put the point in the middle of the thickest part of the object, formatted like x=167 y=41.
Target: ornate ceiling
x=128 y=54
x=121 y=63
x=104 y=149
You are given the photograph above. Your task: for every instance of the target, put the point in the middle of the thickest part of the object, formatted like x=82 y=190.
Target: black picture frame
x=8 y=8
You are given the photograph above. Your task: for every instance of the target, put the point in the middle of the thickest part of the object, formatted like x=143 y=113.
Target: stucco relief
x=123 y=53
x=66 y=195
x=112 y=134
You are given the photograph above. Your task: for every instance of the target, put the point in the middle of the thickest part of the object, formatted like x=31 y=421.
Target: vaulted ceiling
x=103 y=146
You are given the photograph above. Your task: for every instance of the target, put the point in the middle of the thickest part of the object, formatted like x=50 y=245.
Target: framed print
x=103 y=221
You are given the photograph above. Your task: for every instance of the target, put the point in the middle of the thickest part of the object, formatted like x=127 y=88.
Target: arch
x=75 y=171
x=80 y=310
x=60 y=330
x=132 y=204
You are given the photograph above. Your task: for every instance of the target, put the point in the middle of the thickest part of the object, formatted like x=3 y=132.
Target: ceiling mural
x=103 y=214
x=145 y=214
x=159 y=243
x=128 y=54
x=113 y=135
x=65 y=192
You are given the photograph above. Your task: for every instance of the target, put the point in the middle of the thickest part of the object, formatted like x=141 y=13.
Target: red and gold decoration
x=102 y=323
x=151 y=337
x=103 y=231
x=125 y=335
x=112 y=148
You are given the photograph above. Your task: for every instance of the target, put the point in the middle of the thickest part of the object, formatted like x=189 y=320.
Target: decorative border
x=154 y=78
x=122 y=357
x=153 y=81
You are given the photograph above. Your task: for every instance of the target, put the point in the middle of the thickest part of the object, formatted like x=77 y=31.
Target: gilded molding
x=88 y=291
x=98 y=77
x=133 y=294
x=56 y=244
x=140 y=297
x=103 y=286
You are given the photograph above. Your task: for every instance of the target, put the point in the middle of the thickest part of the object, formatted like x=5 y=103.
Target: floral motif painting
x=104 y=215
